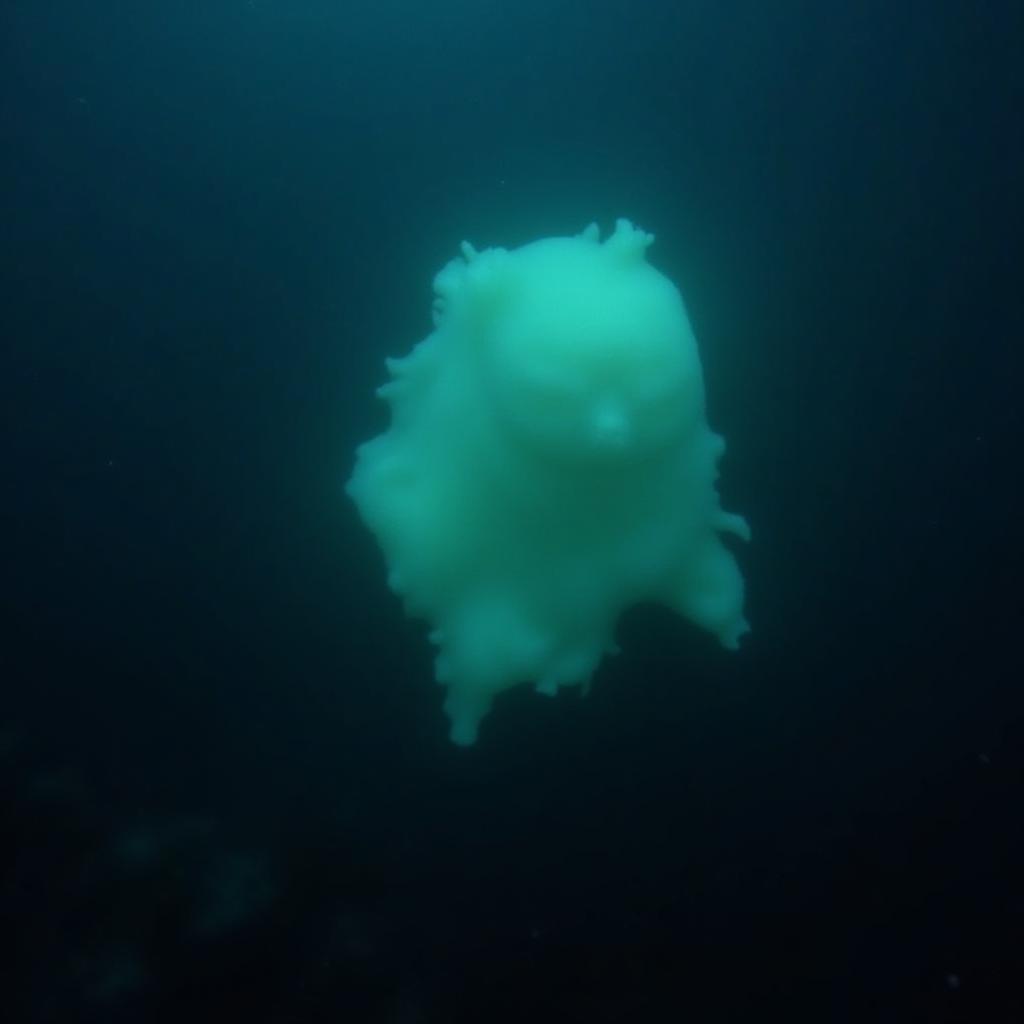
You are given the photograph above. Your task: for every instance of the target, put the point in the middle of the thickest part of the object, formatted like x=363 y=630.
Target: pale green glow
x=548 y=465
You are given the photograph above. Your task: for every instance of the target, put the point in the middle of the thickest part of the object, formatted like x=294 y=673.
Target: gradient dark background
x=226 y=786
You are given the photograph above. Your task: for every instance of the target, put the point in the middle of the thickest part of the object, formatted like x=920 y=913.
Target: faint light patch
x=143 y=846
x=236 y=888
x=953 y=982
x=10 y=744
x=61 y=786
x=353 y=937
x=112 y=975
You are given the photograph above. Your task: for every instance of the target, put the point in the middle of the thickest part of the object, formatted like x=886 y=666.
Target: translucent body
x=548 y=465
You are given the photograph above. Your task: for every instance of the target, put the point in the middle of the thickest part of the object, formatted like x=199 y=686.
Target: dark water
x=226 y=786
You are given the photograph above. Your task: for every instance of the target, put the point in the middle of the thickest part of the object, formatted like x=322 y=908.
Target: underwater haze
x=227 y=790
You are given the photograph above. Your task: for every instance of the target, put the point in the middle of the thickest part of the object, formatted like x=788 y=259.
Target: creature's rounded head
x=589 y=353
